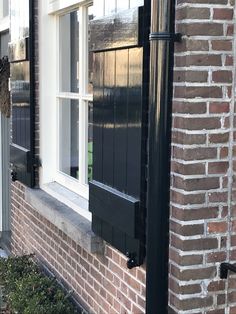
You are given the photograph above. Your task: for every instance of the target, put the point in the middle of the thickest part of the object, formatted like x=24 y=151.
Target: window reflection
x=19 y=19
x=69 y=137
x=69 y=52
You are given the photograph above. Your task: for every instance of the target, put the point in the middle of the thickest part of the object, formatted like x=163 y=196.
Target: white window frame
x=79 y=185
x=49 y=12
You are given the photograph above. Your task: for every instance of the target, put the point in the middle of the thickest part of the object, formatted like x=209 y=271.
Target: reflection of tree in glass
x=17 y=74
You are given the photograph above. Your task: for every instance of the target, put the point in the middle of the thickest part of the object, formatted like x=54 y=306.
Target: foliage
x=28 y=290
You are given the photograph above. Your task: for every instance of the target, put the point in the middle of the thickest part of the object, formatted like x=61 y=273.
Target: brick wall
x=203 y=189
x=202 y=148
x=102 y=283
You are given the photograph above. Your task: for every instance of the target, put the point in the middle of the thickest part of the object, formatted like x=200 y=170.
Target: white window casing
x=50 y=96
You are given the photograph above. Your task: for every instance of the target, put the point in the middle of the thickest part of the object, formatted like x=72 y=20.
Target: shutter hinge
x=132 y=261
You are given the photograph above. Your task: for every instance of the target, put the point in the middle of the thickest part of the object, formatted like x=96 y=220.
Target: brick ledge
x=66 y=219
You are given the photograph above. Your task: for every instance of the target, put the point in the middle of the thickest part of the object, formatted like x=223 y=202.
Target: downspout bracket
x=175 y=37
x=224 y=270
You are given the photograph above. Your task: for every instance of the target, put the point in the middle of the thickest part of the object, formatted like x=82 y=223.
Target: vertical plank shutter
x=117 y=191
x=22 y=95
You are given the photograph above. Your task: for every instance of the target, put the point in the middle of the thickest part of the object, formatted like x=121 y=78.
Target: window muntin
x=74 y=101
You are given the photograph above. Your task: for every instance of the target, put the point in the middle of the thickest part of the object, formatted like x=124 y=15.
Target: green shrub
x=28 y=291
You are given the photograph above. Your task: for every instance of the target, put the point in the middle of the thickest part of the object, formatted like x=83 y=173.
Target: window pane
x=69 y=52
x=5 y=7
x=90 y=141
x=90 y=55
x=69 y=137
x=20 y=90
x=19 y=19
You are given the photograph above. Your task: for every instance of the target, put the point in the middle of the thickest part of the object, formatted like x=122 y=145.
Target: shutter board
x=21 y=159
x=120 y=30
x=114 y=207
x=117 y=193
x=22 y=91
x=118 y=239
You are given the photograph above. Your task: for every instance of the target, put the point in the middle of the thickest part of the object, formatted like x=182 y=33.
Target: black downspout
x=162 y=39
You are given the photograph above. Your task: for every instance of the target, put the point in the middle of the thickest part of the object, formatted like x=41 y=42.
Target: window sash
x=79 y=185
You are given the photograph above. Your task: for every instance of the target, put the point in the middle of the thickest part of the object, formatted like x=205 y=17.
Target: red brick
x=223 y=14
x=220 y=167
x=191 y=76
x=192 y=13
x=179 y=137
x=201 y=29
x=198 y=92
x=196 y=123
x=200 y=153
x=217 y=227
x=222 y=45
x=195 y=214
x=222 y=76
x=198 y=184
x=198 y=60
x=219 y=138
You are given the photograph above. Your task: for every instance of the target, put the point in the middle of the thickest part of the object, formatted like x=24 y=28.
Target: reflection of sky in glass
x=19 y=19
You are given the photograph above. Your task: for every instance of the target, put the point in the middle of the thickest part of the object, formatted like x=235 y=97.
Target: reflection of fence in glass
x=21 y=124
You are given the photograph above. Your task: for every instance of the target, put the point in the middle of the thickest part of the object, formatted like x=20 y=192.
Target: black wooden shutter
x=21 y=54
x=117 y=191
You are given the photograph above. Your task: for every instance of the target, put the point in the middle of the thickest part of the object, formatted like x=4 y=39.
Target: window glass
x=69 y=137
x=69 y=52
x=75 y=112
x=19 y=19
x=90 y=53
x=5 y=7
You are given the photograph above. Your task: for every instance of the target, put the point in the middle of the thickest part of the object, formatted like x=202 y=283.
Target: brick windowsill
x=66 y=219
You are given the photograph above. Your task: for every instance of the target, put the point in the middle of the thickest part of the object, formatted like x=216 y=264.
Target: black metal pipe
x=32 y=87
x=161 y=77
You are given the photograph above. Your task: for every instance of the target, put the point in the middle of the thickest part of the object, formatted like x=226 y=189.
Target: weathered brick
x=188 y=44
x=223 y=14
x=222 y=76
x=220 y=167
x=200 y=153
x=187 y=230
x=192 y=13
x=222 y=45
x=202 y=244
x=189 y=107
x=217 y=227
x=194 y=273
x=198 y=60
x=192 y=303
x=201 y=29
x=219 y=138
x=216 y=257
x=218 y=197
x=185 y=199
x=196 y=123
x=195 y=214
x=188 y=169
x=179 y=137
x=198 y=184
x=198 y=92
x=186 y=260
x=191 y=76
